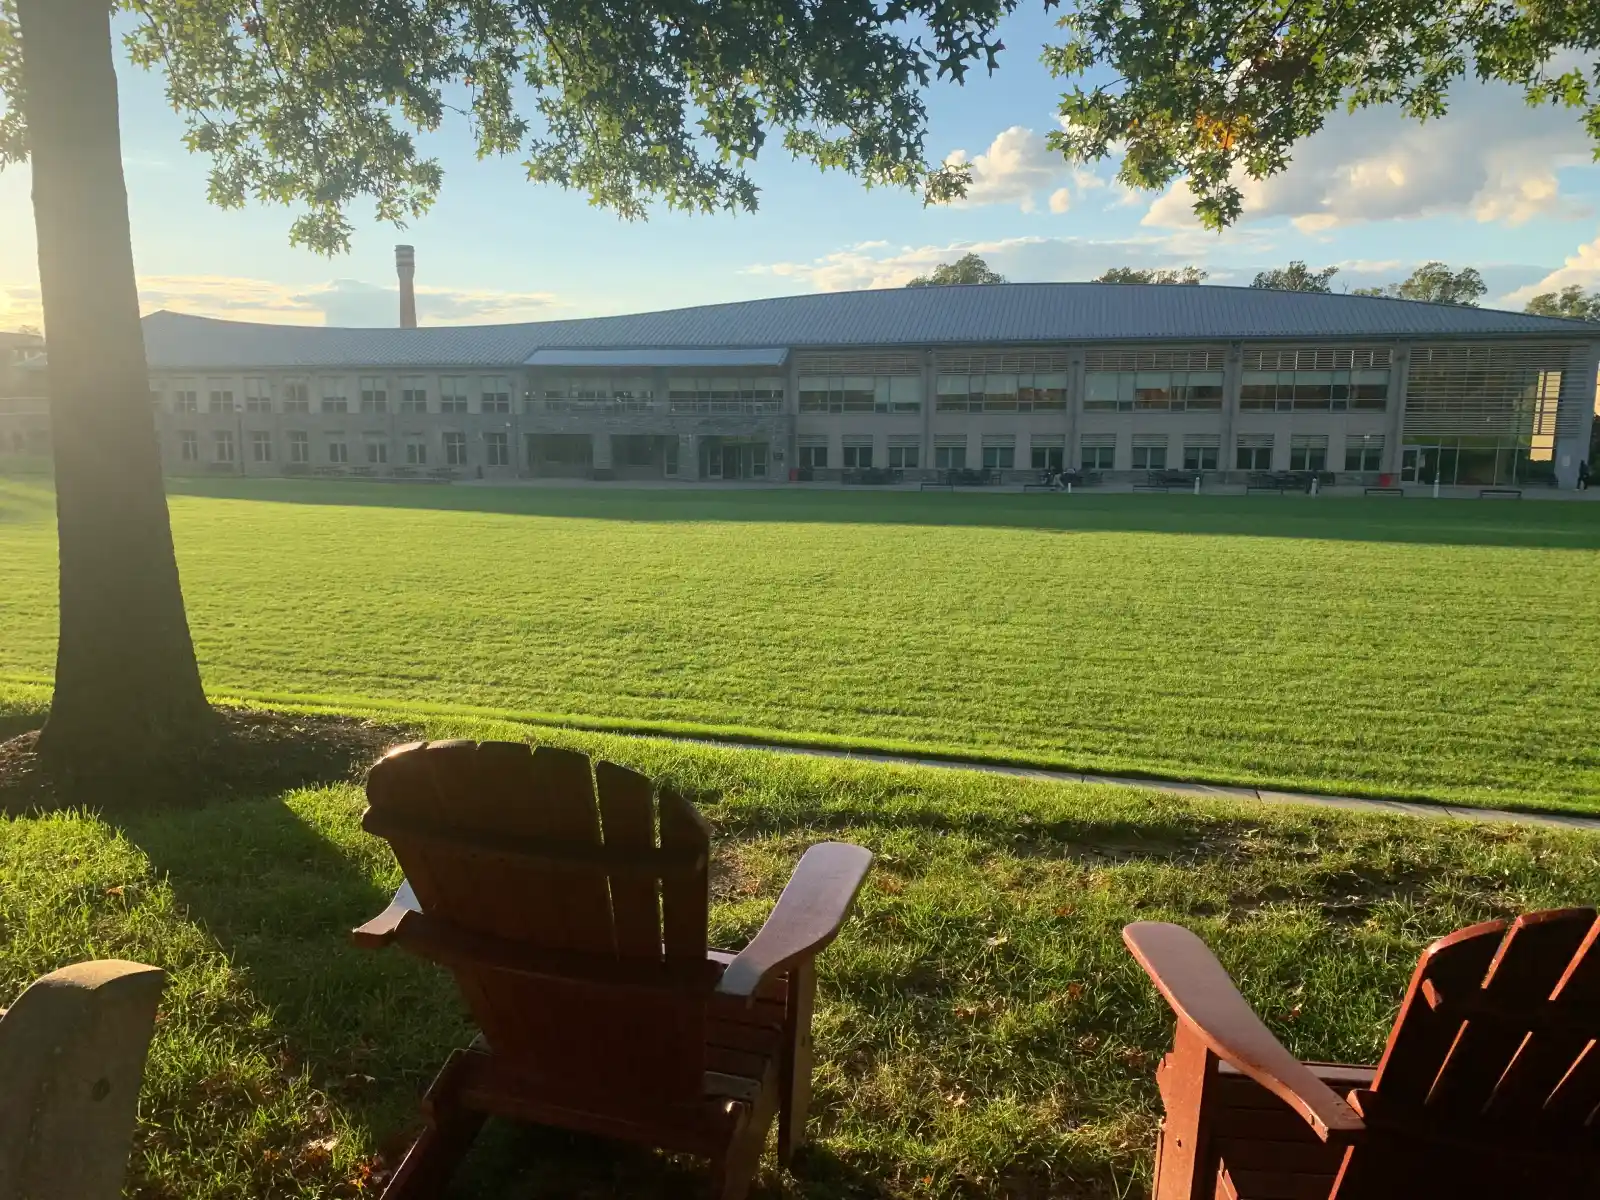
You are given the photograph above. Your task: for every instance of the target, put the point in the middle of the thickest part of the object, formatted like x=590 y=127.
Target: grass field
x=980 y=1029
x=1440 y=649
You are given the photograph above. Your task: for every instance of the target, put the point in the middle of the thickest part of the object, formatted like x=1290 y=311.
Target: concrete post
x=1395 y=430
x=930 y=402
x=72 y=1052
x=1232 y=382
x=1076 y=375
x=1575 y=414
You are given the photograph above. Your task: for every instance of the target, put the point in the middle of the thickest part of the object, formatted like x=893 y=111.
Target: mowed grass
x=1414 y=648
x=980 y=1028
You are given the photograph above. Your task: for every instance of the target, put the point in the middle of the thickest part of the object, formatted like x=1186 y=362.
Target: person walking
x=1583 y=475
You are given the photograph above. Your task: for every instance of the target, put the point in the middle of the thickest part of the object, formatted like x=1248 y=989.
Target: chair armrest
x=1202 y=995
x=385 y=927
x=806 y=918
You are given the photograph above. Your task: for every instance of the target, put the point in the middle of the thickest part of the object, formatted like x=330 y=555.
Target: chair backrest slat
x=685 y=898
x=627 y=819
x=457 y=814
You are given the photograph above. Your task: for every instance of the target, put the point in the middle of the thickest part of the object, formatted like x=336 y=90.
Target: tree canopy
x=1219 y=90
x=1570 y=302
x=316 y=105
x=1176 y=275
x=1296 y=277
x=969 y=268
x=1436 y=283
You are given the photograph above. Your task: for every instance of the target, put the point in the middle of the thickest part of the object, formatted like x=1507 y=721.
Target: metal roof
x=767 y=356
x=1011 y=313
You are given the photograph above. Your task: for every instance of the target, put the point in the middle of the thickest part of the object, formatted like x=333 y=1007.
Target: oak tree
x=969 y=268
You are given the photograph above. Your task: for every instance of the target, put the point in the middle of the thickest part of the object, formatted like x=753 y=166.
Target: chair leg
x=444 y=1141
x=794 y=1075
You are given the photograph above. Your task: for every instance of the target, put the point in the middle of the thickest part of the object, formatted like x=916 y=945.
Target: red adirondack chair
x=578 y=941
x=1488 y=1085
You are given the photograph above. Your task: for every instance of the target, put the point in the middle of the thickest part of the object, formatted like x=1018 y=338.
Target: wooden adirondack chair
x=579 y=944
x=1487 y=1086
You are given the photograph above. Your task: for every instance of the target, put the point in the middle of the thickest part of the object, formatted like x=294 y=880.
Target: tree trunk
x=127 y=688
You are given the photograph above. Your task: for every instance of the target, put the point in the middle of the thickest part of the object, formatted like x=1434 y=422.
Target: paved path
x=1175 y=787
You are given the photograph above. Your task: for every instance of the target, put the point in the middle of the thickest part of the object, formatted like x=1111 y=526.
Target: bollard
x=1435 y=487
x=1197 y=485
x=1314 y=482
x=1069 y=487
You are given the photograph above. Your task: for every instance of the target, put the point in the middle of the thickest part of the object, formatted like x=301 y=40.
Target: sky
x=1511 y=190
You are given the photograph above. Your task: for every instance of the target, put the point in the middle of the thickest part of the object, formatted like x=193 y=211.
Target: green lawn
x=980 y=1029
x=1416 y=648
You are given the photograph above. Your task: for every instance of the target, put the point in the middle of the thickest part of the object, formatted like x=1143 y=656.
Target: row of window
x=1098 y=453
x=494 y=395
x=224 y=449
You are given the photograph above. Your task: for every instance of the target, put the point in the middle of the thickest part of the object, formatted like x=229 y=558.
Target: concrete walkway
x=1179 y=788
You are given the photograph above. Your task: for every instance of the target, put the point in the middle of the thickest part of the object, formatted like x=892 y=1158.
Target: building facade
x=1016 y=378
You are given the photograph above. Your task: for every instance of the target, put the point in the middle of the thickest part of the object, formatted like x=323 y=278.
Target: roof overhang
x=765 y=356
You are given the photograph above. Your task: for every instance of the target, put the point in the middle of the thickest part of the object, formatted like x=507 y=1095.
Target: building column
x=1395 y=428
x=930 y=401
x=688 y=456
x=1575 y=414
x=600 y=455
x=1228 y=419
x=1077 y=373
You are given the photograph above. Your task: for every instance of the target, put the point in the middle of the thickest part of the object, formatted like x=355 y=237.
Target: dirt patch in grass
x=250 y=752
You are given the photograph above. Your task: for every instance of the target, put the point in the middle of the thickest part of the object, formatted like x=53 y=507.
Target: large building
x=1018 y=378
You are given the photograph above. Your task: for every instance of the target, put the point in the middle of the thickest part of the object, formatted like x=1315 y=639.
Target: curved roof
x=998 y=313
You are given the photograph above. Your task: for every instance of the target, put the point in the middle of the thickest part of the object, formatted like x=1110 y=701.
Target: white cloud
x=1582 y=267
x=1491 y=157
x=1023 y=259
x=1015 y=168
x=337 y=302
x=1060 y=200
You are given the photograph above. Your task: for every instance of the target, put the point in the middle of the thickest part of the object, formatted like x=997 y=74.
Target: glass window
x=497 y=447
x=299 y=446
x=1049 y=458
x=224 y=446
x=296 y=396
x=1199 y=390
x=1308 y=457
x=999 y=393
x=338 y=452
x=953 y=393
x=1149 y=458
x=950 y=458
x=999 y=458
x=1363 y=454
x=377 y=452
x=413 y=394
x=1254 y=458
x=1369 y=390
x=1152 y=389
x=416 y=453
x=186 y=400
x=1098 y=456
x=858 y=457
x=189 y=445
x=374 y=394
x=905 y=393
x=455 y=449
x=813 y=456
x=221 y=398
x=257 y=398
x=496 y=396
x=904 y=458
x=453 y=393
x=260 y=446
x=1107 y=391
x=1200 y=458
x=333 y=397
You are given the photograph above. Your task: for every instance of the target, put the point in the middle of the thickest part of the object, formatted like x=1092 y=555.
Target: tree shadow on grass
x=1565 y=525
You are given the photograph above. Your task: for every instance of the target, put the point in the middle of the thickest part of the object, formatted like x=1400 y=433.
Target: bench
x=936 y=487
x=1384 y=491
x=1264 y=487
x=1499 y=493
x=1151 y=487
x=1032 y=487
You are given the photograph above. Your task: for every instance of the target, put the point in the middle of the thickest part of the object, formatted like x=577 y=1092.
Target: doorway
x=732 y=459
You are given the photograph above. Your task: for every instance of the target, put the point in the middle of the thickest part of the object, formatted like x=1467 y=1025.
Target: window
x=338 y=452
x=1200 y=455
x=260 y=446
x=225 y=449
x=413 y=394
x=1048 y=458
x=189 y=446
x=1002 y=392
x=455 y=449
x=999 y=458
x=296 y=396
x=814 y=456
x=1324 y=391
x=1308 y=454
x=220 y=397
x=905 y=458
x=496 y=399
x=1152 y=391
x=1254 y=454
x=861 y=393
x=377 y=452
x=186 y=401
x=858 y=457
x=498 y=448
x=716 y=394
x=257 y=398
x=333 y=398
x=453 y=394
x=1098 y=453
x=1363 y=454
x=950 y=458
x=627 y=394
x=1149 y=455
x=299 y=446
x=374 y=394
x=416 y=453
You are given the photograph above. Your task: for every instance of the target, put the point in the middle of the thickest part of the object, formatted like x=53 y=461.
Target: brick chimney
x=405 y=265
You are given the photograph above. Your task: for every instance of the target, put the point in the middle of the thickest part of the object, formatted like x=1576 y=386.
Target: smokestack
x=405 y=265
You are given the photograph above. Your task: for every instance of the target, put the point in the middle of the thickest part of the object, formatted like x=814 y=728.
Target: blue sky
x=1512 y=191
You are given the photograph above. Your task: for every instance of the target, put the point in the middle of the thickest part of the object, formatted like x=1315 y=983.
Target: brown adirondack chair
x=579 y=944
x=1487 y=1086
